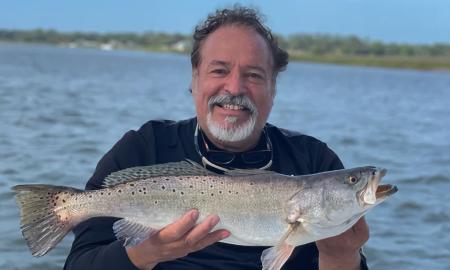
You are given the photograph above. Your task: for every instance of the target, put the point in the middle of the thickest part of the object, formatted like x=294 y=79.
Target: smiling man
x=235 y=63
x=233 y=87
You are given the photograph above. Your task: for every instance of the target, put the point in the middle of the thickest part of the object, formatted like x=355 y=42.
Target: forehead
x=236 y=44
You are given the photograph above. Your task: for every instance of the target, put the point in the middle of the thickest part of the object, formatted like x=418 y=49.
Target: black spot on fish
x=154 y=181
x=54 y=204
x=202 y=192
x=220 y=191
x=90 y=196
x=173 y=190
x=140 y=190
x=156 y=202
x=163 y=187
x=191 y=186
x=64 y=201
x=221 y=182
x=145 y=192
x=237 y=192
x=144 y=189
x=182 y=193
x=120 y=191
x=251 y=183
x=212 y=194
x=101 y=193
x=132 y=185
x=211 y=186
x=57 y=197
x=132 y=193
x=229 y=191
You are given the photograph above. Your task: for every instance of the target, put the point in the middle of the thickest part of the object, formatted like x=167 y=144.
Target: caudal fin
x=44 y=217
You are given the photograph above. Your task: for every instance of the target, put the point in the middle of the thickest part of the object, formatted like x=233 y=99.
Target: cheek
x=265 y=105
x=201 y=98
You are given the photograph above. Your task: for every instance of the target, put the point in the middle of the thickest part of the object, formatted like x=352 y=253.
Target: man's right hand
x=176 y=240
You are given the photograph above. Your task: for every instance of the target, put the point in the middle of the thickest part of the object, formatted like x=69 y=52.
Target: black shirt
x=96 y=247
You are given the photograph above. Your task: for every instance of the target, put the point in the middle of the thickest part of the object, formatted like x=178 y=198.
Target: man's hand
x=342 y=251
x=176 y=240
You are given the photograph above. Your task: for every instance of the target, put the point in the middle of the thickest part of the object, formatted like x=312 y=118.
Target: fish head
x=337 y=199
x=363 y=186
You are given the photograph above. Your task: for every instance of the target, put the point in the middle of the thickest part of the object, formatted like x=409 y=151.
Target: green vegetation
x=349 y=50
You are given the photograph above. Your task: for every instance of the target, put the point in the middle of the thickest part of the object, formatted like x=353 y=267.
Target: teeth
x=232 y=107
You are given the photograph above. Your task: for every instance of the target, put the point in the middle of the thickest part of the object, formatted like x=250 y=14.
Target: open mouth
x=232 y=107
x=374 y=192
x=385 y=190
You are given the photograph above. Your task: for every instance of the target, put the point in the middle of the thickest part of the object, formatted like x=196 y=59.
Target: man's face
x=233 y=86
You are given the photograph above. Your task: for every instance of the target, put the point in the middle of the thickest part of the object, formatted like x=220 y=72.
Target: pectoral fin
x=274 y=258
x=132 y=233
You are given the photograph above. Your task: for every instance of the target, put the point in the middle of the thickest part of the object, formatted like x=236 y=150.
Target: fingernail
x=194 y=214
x=225 y=234
x=214 y=220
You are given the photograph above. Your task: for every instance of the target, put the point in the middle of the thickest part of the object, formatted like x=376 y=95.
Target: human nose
x=235 y=84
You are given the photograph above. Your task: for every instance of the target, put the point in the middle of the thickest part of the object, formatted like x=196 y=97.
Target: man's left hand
x=342 y=251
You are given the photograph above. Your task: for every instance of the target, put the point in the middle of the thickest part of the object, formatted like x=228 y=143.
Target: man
x=235 y=62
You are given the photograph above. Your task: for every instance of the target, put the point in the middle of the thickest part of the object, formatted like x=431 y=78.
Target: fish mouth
x=384 y=191
x=374 y=193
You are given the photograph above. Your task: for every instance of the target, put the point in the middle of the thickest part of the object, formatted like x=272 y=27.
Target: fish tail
x=44 y=216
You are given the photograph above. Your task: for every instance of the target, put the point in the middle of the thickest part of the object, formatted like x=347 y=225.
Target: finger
x=179 y=228
x=361 y=230
x=201 y=230
x=361 y=224
x=211 y=238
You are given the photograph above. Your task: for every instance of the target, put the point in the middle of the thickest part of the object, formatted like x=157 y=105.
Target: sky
x=400 y=21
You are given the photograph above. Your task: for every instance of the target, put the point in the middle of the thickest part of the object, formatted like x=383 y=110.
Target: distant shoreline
x=416 y=63
x=400 y=62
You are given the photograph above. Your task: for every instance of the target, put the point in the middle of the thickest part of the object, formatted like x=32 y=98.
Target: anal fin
x=132 y=233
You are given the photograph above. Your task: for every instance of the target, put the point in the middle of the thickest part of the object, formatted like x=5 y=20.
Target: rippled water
x=62 y=109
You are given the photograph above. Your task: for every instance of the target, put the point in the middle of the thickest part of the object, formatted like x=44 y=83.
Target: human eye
x=255 y=76
x=218 y=71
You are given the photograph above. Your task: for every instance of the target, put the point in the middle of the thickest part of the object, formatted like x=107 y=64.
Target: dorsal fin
x=246 y=172
x=186 y=167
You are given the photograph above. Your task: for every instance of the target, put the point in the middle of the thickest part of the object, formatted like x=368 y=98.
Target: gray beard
x=231 y=134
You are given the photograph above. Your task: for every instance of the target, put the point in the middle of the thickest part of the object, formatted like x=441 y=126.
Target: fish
x=258 y=207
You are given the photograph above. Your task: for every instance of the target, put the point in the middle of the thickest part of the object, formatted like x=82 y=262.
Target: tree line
x=296 y=44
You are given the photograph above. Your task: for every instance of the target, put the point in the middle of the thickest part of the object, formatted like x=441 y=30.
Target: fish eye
x=352 y=180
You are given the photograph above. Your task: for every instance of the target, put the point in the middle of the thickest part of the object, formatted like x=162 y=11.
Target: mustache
x=224 y=99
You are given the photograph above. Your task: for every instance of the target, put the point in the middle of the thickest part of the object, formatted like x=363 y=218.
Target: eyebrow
x=227 y=64
x=219 y=62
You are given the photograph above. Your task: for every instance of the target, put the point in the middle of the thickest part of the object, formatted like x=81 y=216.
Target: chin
x=229 y=130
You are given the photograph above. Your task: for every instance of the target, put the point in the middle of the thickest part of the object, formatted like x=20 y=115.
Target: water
x=62 y=109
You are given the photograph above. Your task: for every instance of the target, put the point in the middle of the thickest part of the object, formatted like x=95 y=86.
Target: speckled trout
x=258 y=207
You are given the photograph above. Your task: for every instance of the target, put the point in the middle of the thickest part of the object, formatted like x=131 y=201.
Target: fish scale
x=160 y=200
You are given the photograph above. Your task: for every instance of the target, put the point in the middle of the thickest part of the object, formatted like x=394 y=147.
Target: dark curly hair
x=244 y=16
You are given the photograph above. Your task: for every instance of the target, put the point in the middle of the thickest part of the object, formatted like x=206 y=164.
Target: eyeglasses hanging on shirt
x=259 y=158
